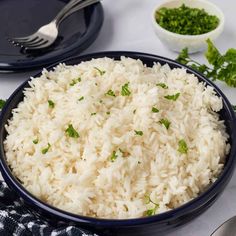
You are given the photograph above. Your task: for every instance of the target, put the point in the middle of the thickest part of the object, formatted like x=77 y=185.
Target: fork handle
x=71 y=7
x=79 y=6
x=66 y=8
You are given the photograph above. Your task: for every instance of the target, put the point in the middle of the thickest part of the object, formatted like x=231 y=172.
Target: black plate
x=23 y=17
x=144 y=226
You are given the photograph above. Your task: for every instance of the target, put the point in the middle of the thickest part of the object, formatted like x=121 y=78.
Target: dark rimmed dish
x=153 y=225
x=76 y=33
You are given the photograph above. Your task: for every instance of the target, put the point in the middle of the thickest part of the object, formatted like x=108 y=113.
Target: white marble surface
x=127 y=26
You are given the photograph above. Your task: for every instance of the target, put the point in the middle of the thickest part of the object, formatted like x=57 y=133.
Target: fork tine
x=25 y=39
x=41 y=46
x=32 y=43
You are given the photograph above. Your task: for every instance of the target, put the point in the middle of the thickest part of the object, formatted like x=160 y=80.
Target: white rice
x=78 y=175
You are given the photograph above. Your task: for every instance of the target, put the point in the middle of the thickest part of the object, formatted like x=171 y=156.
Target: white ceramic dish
x=194 y=43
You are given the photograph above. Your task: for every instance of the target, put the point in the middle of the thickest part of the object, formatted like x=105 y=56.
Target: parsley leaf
x=75 y=81
x=139 y=132
x=108 y=112
x=110 y=93
x=101 y=72
x=165 y=122
x=113 y=156
x=152 y=211
x=183 y=148
x=2 y=103
x=162 y=85
x=173 y=97
x=35 y=141
x=93 y=114
x=155 y=110
x=234 y=107
x=45 y=150
x=71 y=132
x=125 y=90
x=81 y=98
x=51 y=104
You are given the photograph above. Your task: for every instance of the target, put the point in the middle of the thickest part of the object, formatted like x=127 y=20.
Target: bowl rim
x=103 y=222
x=186 y=36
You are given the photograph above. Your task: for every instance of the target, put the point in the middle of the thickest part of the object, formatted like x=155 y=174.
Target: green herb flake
x=51 y=104
x=110 y=93
x=108 y=112
x=125 y=90
x=173 y=97
x=2 y=103
x=152 y=211
x=45 y=150
x=139 y=162
x=71 y=132
x=165 y=122
x=234 y=107
x=93 y=114
x=35 y=141
x=101 y=72
x=113 y=156
x=101 y=101
x=183 y=148
x=155 y=110
x=75 y=81
x=134 y=111
x=162 y=85
x=139 y=132
x=81 y=98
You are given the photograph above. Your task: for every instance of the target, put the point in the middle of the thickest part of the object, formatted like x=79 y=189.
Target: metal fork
x=47 y=34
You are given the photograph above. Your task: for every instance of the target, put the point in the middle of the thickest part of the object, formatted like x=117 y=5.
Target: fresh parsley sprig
x=221 y=66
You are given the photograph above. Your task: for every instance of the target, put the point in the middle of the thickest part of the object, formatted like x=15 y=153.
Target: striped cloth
x=18 y=220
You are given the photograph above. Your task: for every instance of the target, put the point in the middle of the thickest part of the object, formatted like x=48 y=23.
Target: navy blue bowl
x=152 y=225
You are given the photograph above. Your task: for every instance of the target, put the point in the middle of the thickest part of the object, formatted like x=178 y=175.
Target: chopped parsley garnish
x=113 y=156
x=162 y=85
x=152 y=211
x=165 y=122
x=2 y=103
x=71 y=132
x=101 y=72
x=125 y=90
x=173 y=97
x=45 y=150
x=51 y=104
x=134 y=111
x=101 y=101
x=186 y=20
x=93 y=114
x=36 y=141
x=155 y=110
x=234 y=107
x=110 y=93
x=75 y=81
x=81 y=98
x=139 y=162
x=108 y=112
x=183 y=148
x=138 y=132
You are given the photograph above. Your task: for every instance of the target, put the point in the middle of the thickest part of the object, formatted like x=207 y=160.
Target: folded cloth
x=17 y=220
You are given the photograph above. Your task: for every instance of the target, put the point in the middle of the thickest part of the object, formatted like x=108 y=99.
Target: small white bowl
x=194 y=43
